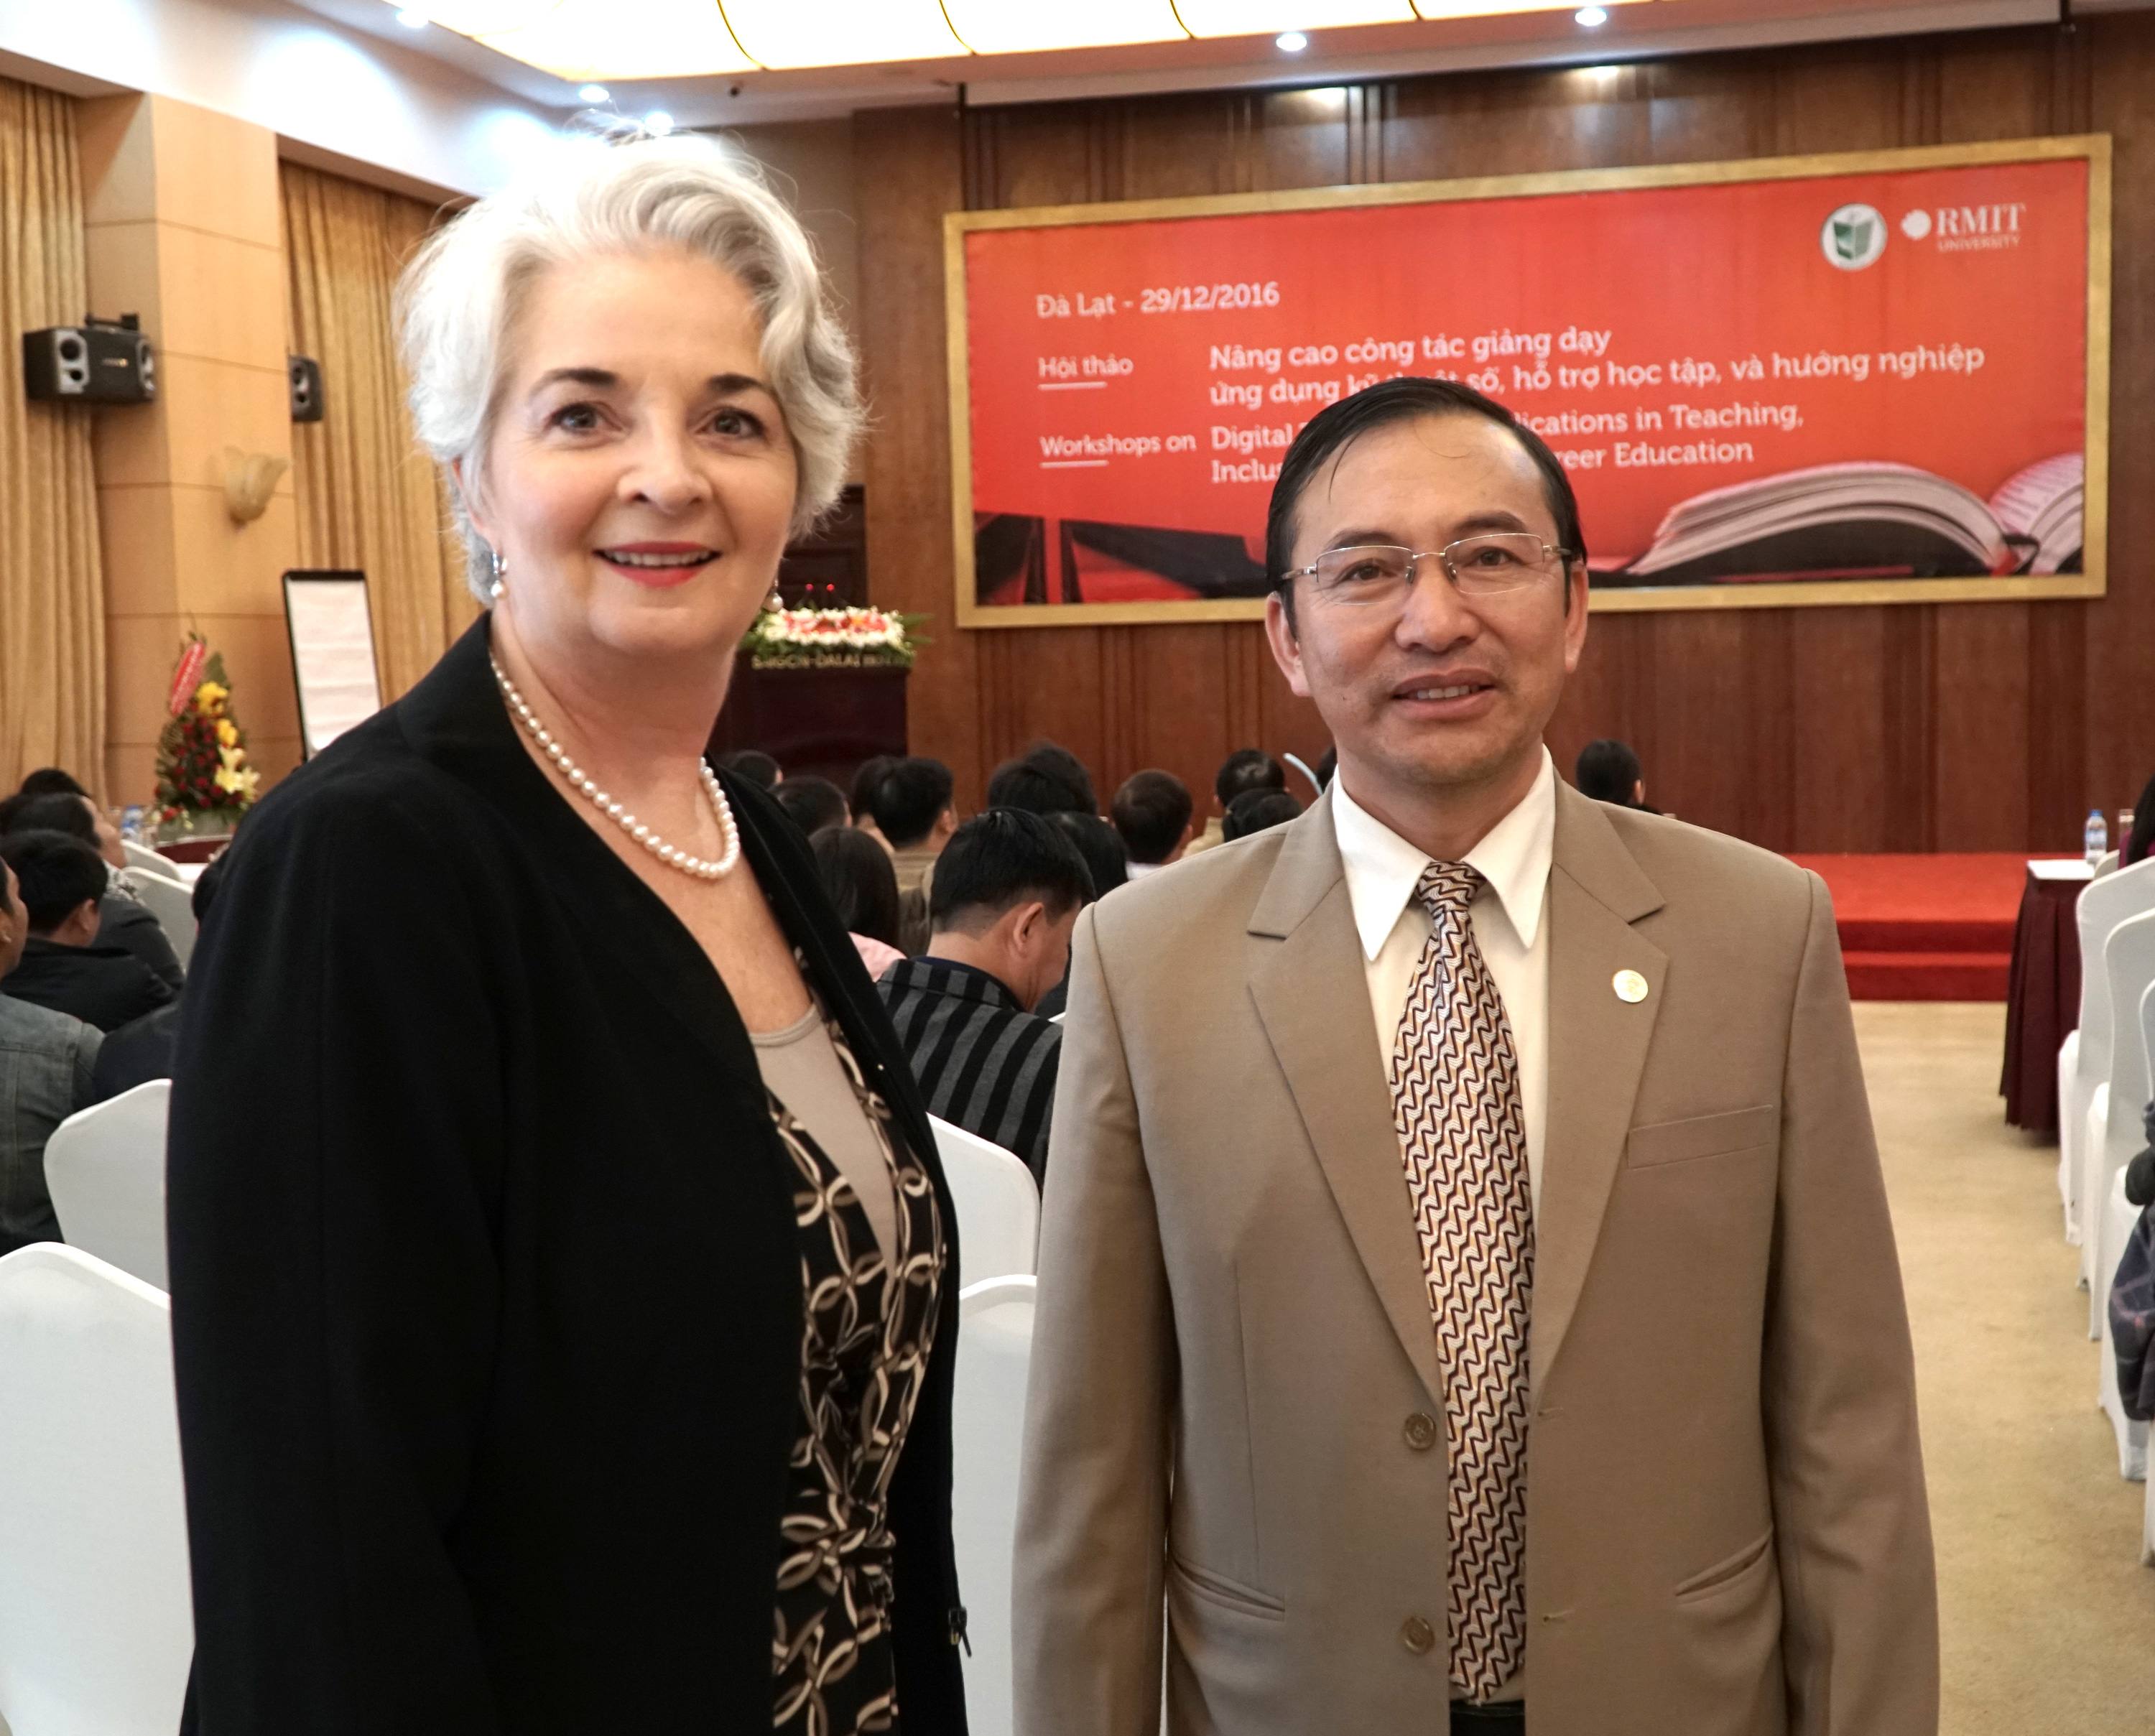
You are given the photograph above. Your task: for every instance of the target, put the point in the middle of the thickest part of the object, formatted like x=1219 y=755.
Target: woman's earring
x=775 y=602
x=500 y=570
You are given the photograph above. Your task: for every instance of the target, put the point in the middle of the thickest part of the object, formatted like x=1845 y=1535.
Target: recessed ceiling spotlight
x=1593 y=16
x=658 y=123
x=592 y=92
x=1291 y=42
x=411 y=18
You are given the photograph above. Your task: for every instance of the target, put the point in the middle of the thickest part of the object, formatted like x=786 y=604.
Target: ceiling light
x=840 y=32
x=480 y=17
x=1593 y=16
x=593 y=93
x=1293 y=17
x=1291 y=42
x=996 y=27
x=658 y=123
x=411 y=18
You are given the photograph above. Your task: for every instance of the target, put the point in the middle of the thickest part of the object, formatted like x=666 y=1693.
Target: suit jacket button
x=1417 y=1636
x=1421 y=1431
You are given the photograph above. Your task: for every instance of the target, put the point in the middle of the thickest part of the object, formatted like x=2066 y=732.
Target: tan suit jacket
x=1234 y=1375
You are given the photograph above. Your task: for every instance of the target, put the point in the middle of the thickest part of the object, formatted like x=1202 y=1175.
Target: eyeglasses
x=1383 y=573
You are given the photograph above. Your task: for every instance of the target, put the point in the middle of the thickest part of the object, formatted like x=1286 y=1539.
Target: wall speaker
x=99 y=362
x=306 y=375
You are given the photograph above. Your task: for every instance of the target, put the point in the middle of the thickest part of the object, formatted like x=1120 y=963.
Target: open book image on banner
x=1871 y=378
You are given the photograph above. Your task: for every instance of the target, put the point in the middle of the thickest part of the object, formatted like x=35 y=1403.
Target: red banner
x=1881 y=375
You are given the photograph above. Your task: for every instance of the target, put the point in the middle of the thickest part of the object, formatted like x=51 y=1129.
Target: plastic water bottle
x=2098 y=837
x=130 y=823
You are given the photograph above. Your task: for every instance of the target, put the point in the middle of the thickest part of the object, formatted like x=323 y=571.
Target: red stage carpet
x=1925 y=928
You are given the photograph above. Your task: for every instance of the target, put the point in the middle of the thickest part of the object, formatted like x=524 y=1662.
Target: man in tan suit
x=1467 y=1298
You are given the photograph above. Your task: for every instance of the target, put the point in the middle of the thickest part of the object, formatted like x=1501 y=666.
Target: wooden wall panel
x=1990 y=726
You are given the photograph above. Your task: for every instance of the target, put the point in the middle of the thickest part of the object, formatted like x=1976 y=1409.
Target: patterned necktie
x=1455 y=1102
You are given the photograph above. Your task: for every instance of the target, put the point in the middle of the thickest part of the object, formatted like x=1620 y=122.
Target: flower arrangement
x=832 y=638
x=203 y=772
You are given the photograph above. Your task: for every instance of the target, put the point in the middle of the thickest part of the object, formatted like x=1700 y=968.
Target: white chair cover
x=995 y=1349
x=2103 y=904
x=105 y=1169
x=2120 y=1215
x=96 y=1627
x=998 y=1204
x=2128 y=964
x=172 y=903
x=141 y=855
x=2147 y=1528
x=2107 y=863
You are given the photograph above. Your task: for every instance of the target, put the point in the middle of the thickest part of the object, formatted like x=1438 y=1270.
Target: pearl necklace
x=671 y=854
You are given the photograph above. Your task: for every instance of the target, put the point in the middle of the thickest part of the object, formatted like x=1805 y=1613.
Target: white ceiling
x=1541 y=36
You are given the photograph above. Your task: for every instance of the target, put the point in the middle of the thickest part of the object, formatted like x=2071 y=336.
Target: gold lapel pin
x=1629 y=987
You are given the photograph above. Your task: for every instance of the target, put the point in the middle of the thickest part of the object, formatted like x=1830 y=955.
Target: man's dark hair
x=751 y=765
x=1001 y=858
x=1257 y=811
x=859 y=880
x=1151 y=811
x=811 y=803
x=908 y=799
x=1247 y=768
x=1107 y=859
x=60 y=875
x=51 y=780
x=1058 y=761
x=1338 y=426
x=1607 y=771
x=1037 y=789
x=70 y=814
x=860 y=794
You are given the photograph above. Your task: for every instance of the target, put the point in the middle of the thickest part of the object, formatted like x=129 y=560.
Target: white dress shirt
x=1382 y=870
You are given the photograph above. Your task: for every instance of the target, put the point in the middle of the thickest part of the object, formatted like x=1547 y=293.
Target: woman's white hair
x=460 y=297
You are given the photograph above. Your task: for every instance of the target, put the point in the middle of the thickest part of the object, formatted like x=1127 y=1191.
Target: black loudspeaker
x=306 y=387
x=99 y=362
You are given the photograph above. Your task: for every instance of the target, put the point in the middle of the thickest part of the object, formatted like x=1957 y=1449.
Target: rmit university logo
x=1854 y=237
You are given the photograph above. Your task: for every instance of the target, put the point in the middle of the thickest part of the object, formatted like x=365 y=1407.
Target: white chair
x=2110 y=1138
x=2120 y=1216
x=104 y=1168
x=987 y=1429
x=172 y=901
x=2147 y=1528
x=96 y=1627
x=998 y=1204
x=2107 y=863
x=2085 y=1054
x=141 y=855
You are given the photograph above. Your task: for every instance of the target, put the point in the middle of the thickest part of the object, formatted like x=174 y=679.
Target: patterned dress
x=865 y=1342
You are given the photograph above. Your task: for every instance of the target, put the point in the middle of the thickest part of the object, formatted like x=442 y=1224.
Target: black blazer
x=486 y=1294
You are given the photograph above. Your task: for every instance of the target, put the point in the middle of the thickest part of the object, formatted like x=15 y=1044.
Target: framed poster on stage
x=1877 y=377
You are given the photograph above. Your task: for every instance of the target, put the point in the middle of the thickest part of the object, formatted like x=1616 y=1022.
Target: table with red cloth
x=2043 y=992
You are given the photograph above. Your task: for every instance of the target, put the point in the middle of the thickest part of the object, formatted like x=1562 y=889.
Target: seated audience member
x=914 y=814
x=1006 y=895
x=860 y=794
x=1151 y=811
x=1045 y=778
x=142 y=1050
x=862 y=887
x=1243 y=771
x=2138 y=844
x=1107 y=862
x=813 y=803
x=51 y=780
x=1327 y=767
x=1609 y=771
x=62 y=966
x=46 y=1061
x=122 y=920
x=1256 y=810
x=753 y=766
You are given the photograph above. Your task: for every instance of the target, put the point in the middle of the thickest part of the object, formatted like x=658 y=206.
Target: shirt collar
x=1382 y=868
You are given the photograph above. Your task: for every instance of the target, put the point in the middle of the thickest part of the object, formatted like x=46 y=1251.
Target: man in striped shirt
x=1007 y=890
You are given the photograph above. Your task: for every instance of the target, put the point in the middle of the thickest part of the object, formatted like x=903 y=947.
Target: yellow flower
x=233 y=775
x=210 y=697
x=227 y=733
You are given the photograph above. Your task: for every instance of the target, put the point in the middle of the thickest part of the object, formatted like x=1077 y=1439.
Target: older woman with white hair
x=564 y=1284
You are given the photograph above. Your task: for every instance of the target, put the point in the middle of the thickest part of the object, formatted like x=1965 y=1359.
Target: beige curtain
x=368 y=497
x=52 y=586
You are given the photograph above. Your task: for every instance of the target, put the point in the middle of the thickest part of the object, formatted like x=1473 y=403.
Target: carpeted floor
x=2048 y=1618
x=1925 y=928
